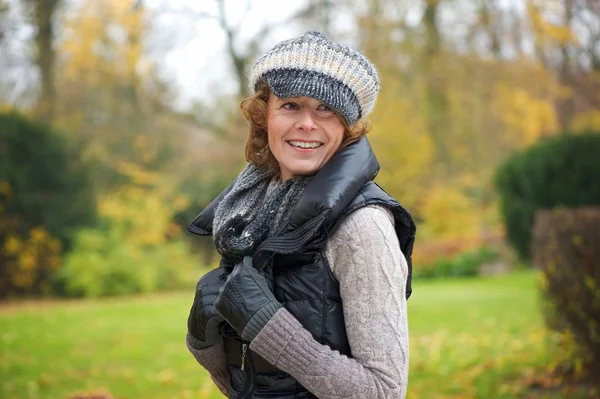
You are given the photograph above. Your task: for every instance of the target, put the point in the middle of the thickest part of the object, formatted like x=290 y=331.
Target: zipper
x=244 y=349
x=249 y=372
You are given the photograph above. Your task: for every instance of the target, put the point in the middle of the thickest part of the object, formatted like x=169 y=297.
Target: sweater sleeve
x=214 y=361
x=365 y=257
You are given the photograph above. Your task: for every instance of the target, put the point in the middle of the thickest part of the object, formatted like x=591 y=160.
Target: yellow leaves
x=38 y=234
x=526 y=118
x=181 y=203
x=27 y=261
x=112 y=209
x=208 y=390
x=22 y=279
x=143 y=209
x=143 y=216
x=547 y=31
x=404 y=150
x=6 y=107
x=28 y=256
x=173 y=230
x=448 y=213
x=102 y=36
x=103 y=394
x=12 y=245
x=45 y=380
x=146 y=149
x=5 y=189
x=589 y=120
x=137 y=175
x=166 y=377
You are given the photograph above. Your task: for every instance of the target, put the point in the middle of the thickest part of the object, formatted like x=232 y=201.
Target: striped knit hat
x=312 y=66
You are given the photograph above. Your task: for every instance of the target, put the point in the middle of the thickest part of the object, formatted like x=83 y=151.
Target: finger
x=239 y=269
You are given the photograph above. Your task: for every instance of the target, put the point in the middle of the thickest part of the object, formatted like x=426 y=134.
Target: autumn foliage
x=136 y=247
x=44 y=195
x=457 y=97
x=566 y=247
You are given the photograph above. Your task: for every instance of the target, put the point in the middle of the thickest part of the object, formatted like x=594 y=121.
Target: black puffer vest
x=302 y=279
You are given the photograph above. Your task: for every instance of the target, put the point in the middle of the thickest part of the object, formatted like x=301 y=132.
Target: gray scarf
x=253 y=210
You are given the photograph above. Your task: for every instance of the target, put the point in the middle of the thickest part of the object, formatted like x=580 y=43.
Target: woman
x=310 y=297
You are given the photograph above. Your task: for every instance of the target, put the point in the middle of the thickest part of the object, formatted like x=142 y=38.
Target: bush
x=135 y=248
x=460 y=265
x=566 y=247
x=103 y=264
x=562 y=171
x=45 y=194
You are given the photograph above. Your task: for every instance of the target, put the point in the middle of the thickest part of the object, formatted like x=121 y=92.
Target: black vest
x=302 y=279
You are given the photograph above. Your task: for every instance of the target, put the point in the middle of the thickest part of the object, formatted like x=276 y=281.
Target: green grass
x=470 y=338
x=475 y=338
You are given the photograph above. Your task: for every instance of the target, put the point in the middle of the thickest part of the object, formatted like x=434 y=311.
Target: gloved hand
x=245 y=301
x=204 y=321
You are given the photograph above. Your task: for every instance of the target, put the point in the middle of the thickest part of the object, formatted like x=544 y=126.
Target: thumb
x=248 y=262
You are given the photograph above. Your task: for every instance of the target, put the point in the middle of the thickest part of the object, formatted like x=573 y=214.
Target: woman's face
x=303 y=134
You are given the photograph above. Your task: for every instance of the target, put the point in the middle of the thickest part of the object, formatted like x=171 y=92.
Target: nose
x=306 y=122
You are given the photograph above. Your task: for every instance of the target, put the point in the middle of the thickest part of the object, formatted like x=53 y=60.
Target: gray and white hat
x=312 y=66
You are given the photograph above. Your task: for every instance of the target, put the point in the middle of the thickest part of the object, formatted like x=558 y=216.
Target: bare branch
x=246 y=12
x=582 y=84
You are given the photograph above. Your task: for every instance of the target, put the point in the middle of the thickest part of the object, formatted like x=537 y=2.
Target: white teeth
x=301 y=144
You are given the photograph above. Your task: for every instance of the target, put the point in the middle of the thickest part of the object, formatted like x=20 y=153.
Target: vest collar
x=325 y=197
x=331 y=190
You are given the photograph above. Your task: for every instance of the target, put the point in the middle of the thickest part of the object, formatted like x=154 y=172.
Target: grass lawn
x=473 y=338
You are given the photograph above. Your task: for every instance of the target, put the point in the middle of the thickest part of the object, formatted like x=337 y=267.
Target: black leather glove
x=204 y=321
x=245 y=301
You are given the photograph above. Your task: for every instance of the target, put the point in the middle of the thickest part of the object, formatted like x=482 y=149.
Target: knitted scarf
x=253 y=210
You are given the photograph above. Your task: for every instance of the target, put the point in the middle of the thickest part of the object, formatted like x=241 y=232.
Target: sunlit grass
x=130 y=347
x=474 y=338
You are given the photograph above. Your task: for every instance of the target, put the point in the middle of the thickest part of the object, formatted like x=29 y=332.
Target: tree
x=44 y=11
x=45 y=194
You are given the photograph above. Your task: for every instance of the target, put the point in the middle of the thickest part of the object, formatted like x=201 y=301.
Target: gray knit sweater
x=365 y=257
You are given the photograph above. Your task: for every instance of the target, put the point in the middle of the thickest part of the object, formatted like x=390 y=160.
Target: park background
x=119 y=122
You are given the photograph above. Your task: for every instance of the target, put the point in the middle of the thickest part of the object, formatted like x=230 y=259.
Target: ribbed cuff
x=194 y=343
x=286 y=344
x=259 y=320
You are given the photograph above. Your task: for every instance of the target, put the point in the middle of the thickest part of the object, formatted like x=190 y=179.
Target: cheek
x=275 y=137
x=270 y=133
x=338 y=136
x=275 y=129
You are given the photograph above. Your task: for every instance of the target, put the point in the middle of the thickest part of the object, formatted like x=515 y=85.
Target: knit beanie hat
x=342 y=78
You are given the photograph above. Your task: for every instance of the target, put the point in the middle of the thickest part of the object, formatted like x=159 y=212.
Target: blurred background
x=119 y=122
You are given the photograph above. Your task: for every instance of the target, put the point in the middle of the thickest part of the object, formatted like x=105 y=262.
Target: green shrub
x=102 y=263
x=461 y=265
x=45 y=194
x=566 y=247
x=561 y=171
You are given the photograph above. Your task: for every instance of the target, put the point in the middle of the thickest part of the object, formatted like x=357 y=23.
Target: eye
x=323 y=107
x=290 y=106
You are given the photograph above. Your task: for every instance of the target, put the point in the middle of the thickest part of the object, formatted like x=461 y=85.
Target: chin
x=305 y=170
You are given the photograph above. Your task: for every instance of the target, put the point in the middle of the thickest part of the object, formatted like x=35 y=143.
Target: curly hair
x=254 y=109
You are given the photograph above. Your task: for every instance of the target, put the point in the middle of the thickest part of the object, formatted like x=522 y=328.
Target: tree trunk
x=436 y=97
x=43 y=12
x=566 y=106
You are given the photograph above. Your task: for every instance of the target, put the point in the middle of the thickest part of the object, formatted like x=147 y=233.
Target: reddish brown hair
x=258 y=153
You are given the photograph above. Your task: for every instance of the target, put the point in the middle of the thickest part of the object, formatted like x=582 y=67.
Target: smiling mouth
x=305 y=145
